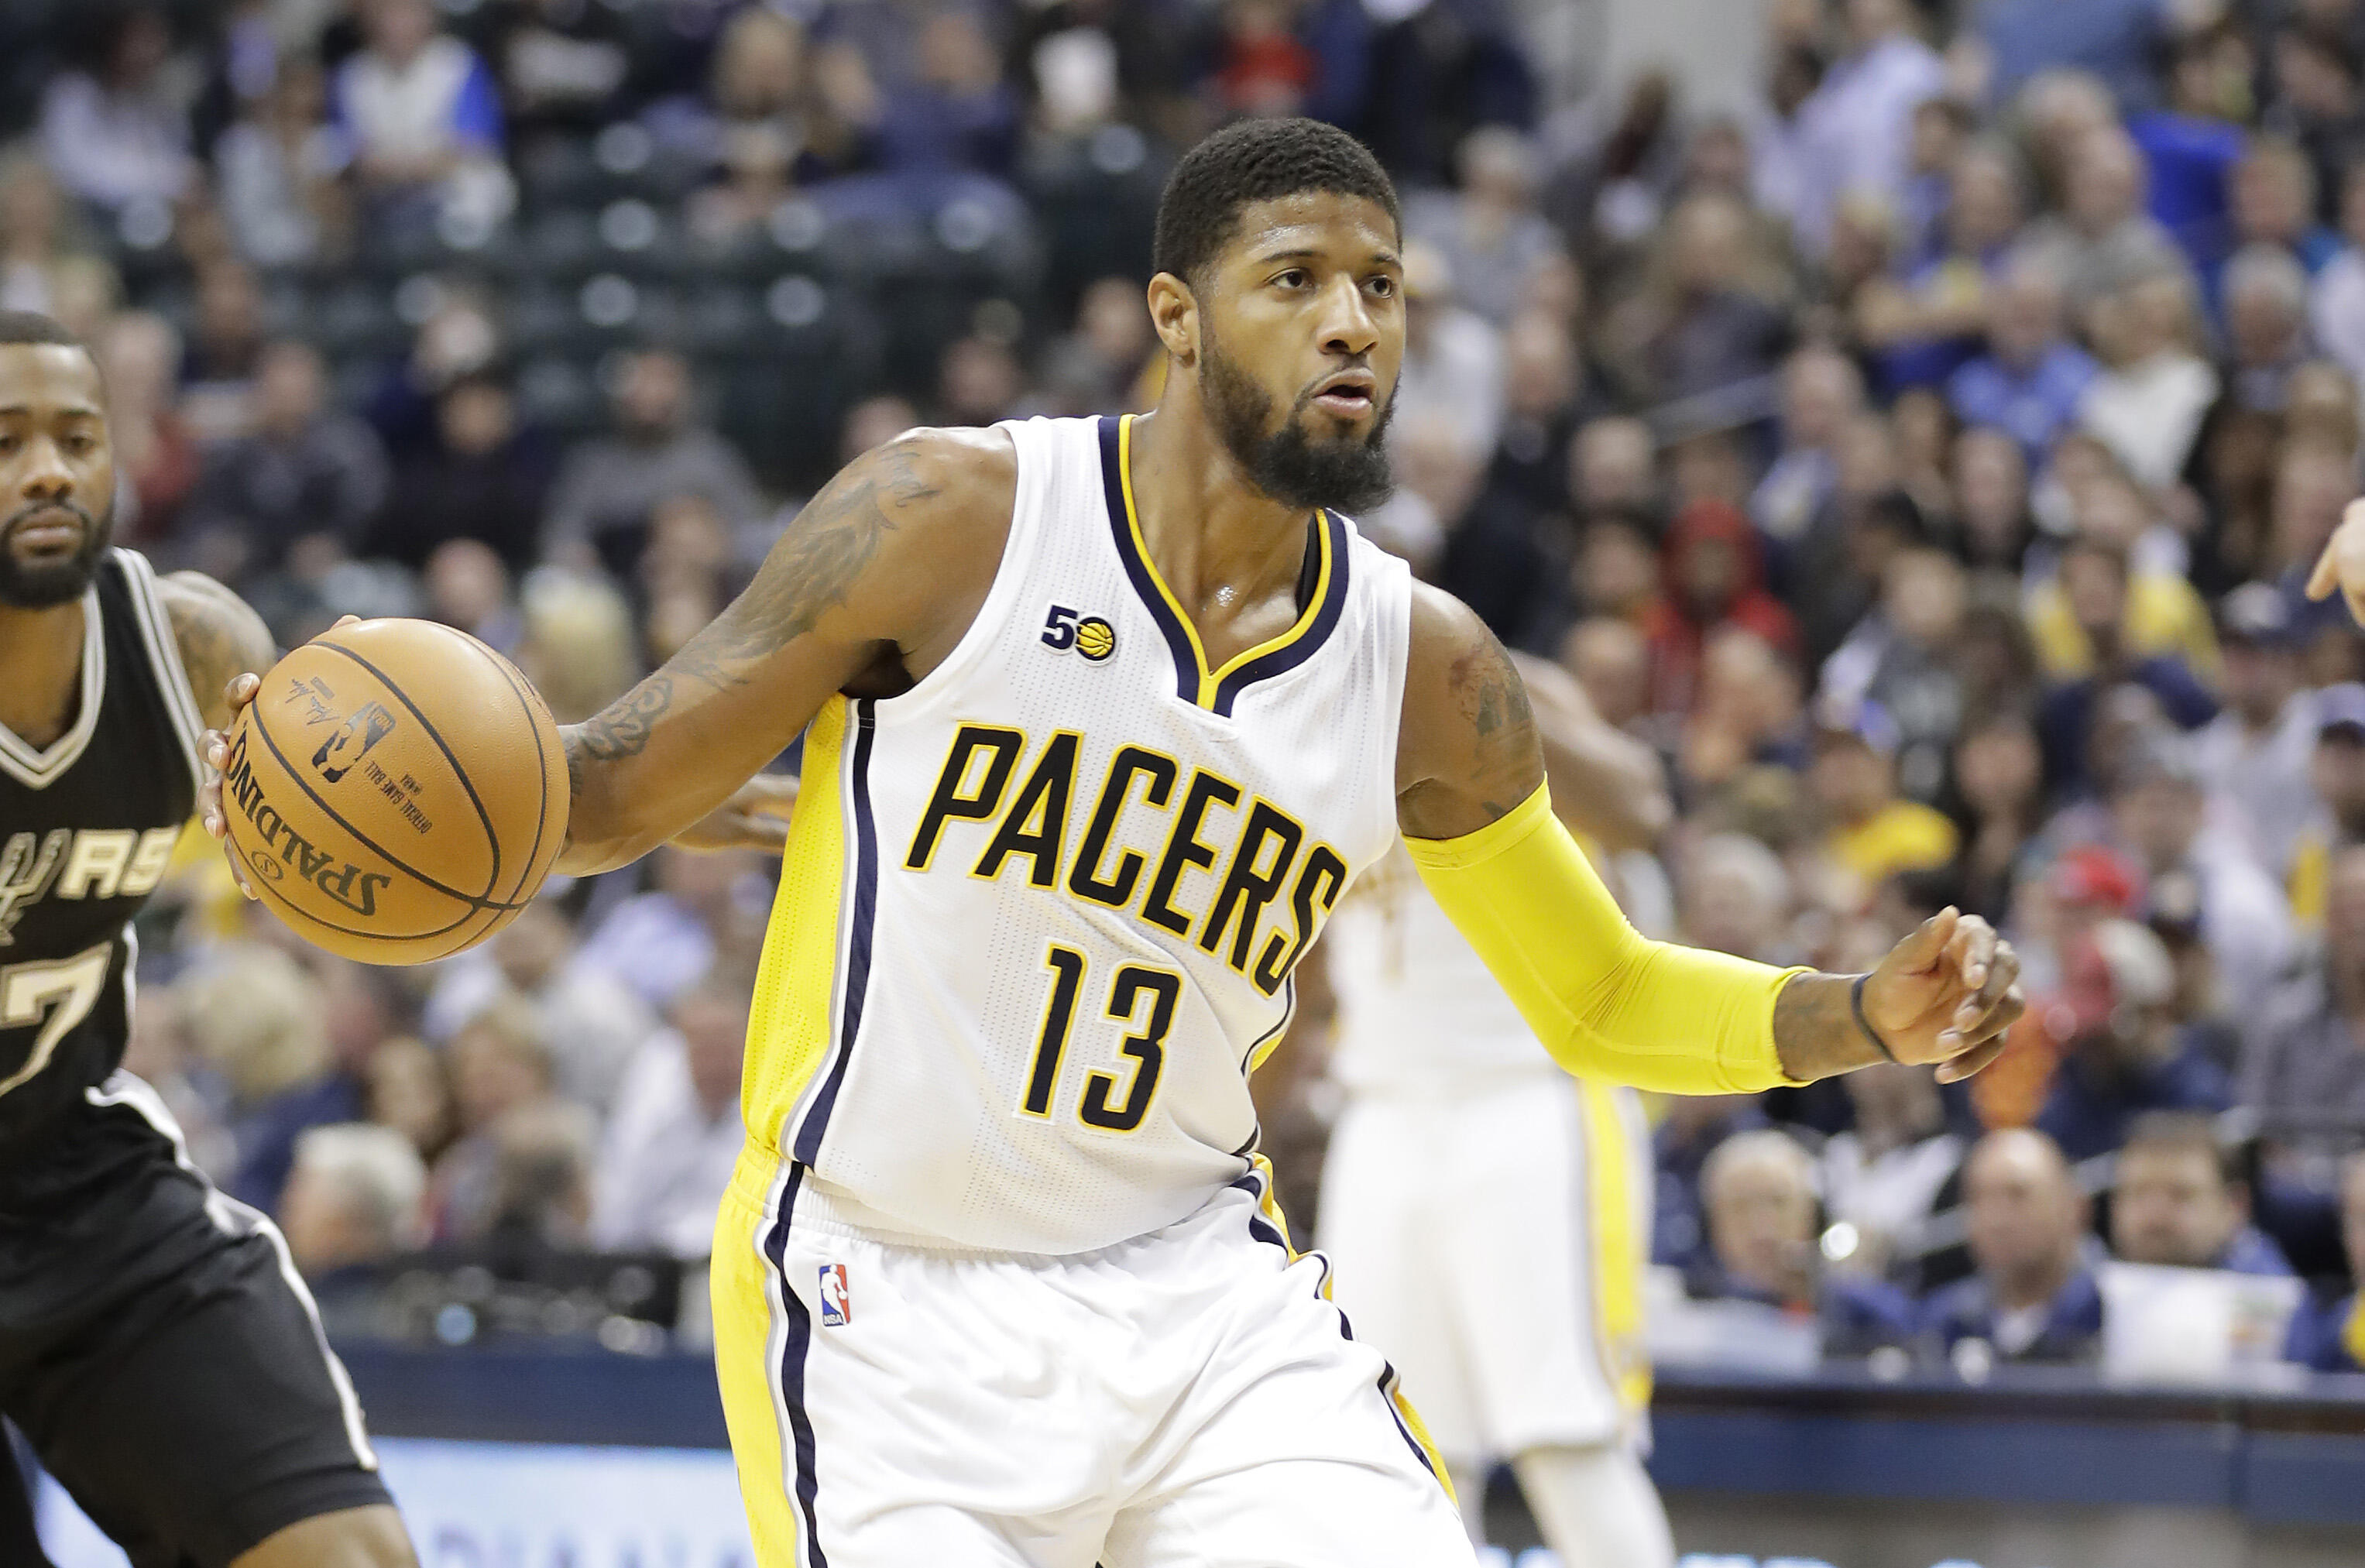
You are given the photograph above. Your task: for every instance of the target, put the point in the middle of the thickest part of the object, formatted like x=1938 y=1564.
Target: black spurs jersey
x=86 y=829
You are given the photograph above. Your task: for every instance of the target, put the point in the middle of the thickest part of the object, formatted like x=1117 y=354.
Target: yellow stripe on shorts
x=746 y=1360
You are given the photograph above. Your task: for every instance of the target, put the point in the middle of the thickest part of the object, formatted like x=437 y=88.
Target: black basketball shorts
x=172 y=1374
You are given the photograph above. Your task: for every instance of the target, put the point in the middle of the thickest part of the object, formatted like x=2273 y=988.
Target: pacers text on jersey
x=1267 y=849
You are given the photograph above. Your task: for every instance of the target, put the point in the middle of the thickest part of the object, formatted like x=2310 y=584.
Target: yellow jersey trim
x=790 y=1022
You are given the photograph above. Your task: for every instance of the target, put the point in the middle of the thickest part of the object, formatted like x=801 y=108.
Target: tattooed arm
x=220 y=637
x=876 y=581
x=1604 y=1000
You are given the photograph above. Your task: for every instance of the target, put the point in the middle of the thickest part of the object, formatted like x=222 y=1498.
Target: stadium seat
x=356 y=319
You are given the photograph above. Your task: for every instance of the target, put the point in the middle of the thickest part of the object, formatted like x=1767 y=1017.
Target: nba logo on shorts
x=837 y=1309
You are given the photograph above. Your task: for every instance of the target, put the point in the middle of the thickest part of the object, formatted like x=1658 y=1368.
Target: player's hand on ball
x=2342 y=565
x=755 y=817
x=1948 y=995
x=214 y=749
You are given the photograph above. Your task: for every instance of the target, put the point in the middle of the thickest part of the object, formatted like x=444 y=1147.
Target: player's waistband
x=760 y=1180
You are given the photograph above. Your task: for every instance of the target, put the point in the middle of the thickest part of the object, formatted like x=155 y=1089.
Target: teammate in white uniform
x=1101 y=718
x=1488 y=1215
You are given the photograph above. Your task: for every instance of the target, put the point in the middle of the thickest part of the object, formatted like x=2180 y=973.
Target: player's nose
x=1348 y=327
x=45 y=476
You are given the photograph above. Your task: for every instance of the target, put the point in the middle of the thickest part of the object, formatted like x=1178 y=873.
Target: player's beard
x=1289 y=464
x=55 y=582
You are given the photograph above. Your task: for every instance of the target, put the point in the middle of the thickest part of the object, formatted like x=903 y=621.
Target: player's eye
x=1382 y=286
x=1295 y=278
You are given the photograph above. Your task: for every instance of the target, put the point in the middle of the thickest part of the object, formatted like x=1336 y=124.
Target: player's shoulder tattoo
x=219 y=636
x=1468 y=722
x=816 y=566
x=835 y=540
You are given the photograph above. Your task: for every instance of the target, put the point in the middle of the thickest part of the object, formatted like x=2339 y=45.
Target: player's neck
x=1217 y=540
x=40 y=652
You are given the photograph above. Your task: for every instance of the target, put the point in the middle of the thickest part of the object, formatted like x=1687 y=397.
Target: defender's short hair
x=1257 y=159
x=31 y=327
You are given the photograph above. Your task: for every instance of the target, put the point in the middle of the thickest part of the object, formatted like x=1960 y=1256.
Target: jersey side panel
x=790 y=1020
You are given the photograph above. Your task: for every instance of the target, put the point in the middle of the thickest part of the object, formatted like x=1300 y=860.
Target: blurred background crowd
x=1923 y=457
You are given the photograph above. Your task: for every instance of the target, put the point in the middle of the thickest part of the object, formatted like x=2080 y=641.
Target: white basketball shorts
x=1187 y=1399
x=1491 y=1243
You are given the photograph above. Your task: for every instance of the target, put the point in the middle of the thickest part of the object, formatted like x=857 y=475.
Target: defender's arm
x=879 y=574
x=1606 y=1001
x=1605 y=783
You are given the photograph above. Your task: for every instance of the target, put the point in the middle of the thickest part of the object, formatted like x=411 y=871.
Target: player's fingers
x=241 y=688
x=2326 y=575
x=1923 y=947
x=774 y=794
x=1995 y=1017
x=214 y=749
x=759 y=833
x=1956 y=1068
x=1974 y=956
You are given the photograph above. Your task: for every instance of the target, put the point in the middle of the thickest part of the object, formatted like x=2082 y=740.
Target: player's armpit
x=1607 y=1002
x=887 y=564
x=220 y=638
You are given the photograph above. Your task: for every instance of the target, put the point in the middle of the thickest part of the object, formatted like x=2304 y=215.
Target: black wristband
x=1856 y=1004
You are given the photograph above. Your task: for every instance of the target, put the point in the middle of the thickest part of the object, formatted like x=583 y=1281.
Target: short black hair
x=31 y=327
x=1257 y=159
x=2186 y=1131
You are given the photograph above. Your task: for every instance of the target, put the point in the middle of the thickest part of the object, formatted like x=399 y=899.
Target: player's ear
x=1175 y=314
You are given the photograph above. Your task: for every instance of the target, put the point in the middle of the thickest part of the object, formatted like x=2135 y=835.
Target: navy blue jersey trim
x=859 y=941
x=1282 y=660
x=795 y=1343
x=1145 y=583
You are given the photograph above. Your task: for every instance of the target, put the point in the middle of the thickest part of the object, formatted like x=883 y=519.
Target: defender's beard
x=24 y=586
x=1289 y=465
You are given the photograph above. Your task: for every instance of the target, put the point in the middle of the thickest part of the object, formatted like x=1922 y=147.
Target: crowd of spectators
x=1925 y=461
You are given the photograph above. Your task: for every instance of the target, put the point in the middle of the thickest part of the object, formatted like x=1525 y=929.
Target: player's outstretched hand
x=755 y=817
x=2342 y=565
x=214 y=749
x=1947 y=994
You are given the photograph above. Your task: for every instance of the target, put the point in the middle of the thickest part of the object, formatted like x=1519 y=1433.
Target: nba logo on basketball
x=837 y=1308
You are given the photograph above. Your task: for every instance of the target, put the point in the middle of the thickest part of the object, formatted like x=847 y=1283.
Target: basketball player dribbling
x=157 y=1347
x=1101 y=718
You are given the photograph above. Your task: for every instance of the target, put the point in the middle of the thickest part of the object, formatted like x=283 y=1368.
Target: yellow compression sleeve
x=1607 y=1002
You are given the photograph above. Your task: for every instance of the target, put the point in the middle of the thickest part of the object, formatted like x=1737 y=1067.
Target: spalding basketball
x=396 y=791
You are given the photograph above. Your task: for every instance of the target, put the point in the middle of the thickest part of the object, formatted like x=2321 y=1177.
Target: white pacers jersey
x=1418 y=1011
x=1038 y=915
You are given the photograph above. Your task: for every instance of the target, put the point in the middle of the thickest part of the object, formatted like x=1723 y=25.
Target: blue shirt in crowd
x=2032 y=405
x=2069 y=1330
x=2091 y=1102
x=2319 y=1340
x=2192 y=162
x=2253 y=1251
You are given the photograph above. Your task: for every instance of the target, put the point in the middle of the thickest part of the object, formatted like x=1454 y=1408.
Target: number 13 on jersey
x=1103 y=1104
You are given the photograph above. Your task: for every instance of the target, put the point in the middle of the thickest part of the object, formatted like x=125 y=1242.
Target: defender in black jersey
x=157 y=1347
